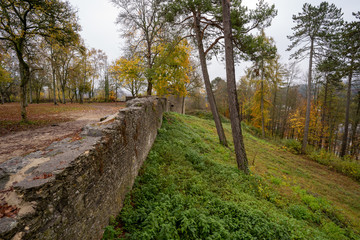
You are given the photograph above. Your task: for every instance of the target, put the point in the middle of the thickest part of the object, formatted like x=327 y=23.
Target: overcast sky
x=97 y=18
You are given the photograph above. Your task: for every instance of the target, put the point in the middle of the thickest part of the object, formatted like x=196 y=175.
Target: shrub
x=299 y=212
x=292 y=145
x=346 y=166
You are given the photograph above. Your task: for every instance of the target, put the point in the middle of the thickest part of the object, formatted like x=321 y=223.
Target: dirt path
x=20 y=143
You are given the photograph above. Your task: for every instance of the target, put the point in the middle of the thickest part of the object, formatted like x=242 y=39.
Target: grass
x=39 y=115
x=190 y=188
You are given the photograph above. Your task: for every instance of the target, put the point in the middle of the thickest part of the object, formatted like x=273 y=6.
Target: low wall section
x=69 y=189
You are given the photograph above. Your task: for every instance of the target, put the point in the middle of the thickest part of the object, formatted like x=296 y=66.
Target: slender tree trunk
x=323 y=114
x=354 y=143
x=286 y=112
x=308 y=99
x=150 y=84
x=107 y=93
x=241 y=157
x=273 y=124
x=205 y=73
x=262 y=101
x=347 y=115
x=183 y=105
x=30 y=91
x=53 y=74
x=63 y=94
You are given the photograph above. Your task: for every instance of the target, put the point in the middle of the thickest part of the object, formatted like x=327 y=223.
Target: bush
x=203 y=114
x=300 y=212
x=346 y=166
x=292 y=145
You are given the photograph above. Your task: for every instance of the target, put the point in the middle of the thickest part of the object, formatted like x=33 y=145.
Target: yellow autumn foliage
x=172 y=68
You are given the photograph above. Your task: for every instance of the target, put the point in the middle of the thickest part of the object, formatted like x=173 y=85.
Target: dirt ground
x=23 y=142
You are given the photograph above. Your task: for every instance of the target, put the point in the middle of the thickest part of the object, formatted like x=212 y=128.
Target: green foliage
x=299 y=212
x=187 y=189
x=348 y=167
x=252 y=129
x=110 y=231
x=292 y=145
x=207 y=115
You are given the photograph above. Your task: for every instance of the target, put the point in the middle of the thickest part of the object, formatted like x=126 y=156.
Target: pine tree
x=313 y=25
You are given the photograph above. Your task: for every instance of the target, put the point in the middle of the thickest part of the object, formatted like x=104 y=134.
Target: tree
x=265 y=52
x=172 y=68
x=129 y=72
x=143 y=25
x=312 y=27
x=204 y=20
x=239 y=146
x=291 y=74
x=22 y=21
x=350 y=43
x=219 y=87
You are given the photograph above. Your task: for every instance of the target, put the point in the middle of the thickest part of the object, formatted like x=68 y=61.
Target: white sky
x=97 y=18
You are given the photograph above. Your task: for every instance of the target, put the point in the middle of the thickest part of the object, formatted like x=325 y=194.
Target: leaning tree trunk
x=205 y=73
x=347 y=116
x=308 y=99
x=241 y=158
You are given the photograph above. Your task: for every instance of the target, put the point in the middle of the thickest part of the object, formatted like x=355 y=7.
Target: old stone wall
x=70 y=189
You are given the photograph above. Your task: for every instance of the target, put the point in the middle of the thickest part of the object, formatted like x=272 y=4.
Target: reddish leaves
x=8 y=210
x=43 y=176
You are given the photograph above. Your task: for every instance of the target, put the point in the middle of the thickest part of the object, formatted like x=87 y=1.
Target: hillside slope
x=190 y=188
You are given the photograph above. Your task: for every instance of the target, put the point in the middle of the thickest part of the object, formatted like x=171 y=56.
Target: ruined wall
x=69 y=189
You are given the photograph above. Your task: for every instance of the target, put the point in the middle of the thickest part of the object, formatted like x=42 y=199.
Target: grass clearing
x=190 y=188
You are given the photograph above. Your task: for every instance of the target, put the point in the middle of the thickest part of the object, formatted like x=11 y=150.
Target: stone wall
x=70 y=189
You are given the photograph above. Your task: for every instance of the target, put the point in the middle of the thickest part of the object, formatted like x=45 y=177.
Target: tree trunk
x=323 y=113
x=63 y=94
x=354 y=143
x=24 y=76
x=241 y=158
x=262 y=101
x=308 y=99
x=2 y=98
x=347 y=115
x=205 y=73
x=150 y=84
x=273 y=120
x=286 y=112
x=107 y=93
x=183 y=105
x=30 y=91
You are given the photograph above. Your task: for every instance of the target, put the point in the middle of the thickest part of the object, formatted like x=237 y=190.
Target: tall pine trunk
x=323 y=114
x=354 y=143
x=347 y=114
x=241 y=157
x=205 y=73
x=308 y=99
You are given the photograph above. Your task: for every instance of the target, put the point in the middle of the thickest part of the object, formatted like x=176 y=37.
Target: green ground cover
x=190 y=188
